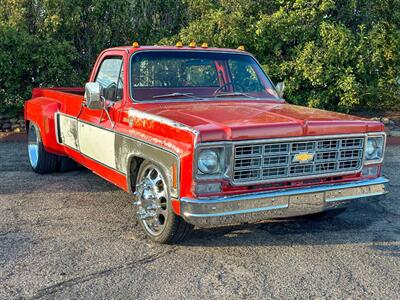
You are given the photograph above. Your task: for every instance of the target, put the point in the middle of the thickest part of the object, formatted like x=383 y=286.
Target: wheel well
x=134 y=166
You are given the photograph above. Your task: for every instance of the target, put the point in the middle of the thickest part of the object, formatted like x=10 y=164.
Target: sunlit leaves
x=335 y=54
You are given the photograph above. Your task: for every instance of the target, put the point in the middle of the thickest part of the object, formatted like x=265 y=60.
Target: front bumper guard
x=278 y=204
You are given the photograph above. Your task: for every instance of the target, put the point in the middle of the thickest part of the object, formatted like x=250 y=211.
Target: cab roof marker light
x=135 y=45
x=241 y=48
x=179 y=44
x=204 y=45
x=192 y=44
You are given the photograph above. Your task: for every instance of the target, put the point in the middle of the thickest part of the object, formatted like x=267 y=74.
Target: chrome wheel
x=33 y=146
x=152 y=199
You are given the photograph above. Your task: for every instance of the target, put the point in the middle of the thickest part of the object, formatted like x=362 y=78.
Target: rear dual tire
x=41 y=161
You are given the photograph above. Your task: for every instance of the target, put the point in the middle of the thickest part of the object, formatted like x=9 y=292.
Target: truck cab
x=202 y=137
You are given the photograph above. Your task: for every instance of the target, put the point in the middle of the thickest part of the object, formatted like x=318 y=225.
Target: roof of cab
x=198 y=48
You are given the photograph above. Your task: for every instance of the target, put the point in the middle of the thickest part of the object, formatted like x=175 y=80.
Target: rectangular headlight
x=375 y=148
x=212 y=161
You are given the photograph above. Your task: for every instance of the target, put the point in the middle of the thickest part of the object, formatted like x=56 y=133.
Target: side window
x=110 y=76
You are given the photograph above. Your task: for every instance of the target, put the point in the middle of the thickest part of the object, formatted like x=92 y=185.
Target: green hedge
x=340 y=55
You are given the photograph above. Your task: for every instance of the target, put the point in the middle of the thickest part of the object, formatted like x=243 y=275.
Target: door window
x=110 y=77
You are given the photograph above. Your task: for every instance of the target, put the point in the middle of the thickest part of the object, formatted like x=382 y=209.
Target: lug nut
x=152 y=207
x=150 y=197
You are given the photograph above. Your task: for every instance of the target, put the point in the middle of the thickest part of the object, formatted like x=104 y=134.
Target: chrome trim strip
x=300 y=138
x=56 y=124
x=230 y=213
x=353 y=197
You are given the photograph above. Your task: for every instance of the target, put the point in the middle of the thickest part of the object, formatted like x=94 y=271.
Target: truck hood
x=233 y=120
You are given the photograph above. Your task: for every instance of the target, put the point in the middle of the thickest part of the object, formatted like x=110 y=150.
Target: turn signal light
x=174 y=177
x=208 y=188
x=370 y=171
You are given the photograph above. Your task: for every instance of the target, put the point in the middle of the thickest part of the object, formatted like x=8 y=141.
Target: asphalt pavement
x=74 y=235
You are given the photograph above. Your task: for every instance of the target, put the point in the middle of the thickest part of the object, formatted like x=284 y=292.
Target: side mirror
x=93 y=92
x=280 y=88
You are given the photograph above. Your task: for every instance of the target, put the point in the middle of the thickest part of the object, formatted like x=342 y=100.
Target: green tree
x=334 y=54
x=56 y=42
x=338 y=55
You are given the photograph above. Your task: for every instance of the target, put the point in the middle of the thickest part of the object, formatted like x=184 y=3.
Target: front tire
x=155 y=212
x=40 y=160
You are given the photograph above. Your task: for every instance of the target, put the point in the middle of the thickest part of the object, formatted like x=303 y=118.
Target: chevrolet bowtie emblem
x=304 y=157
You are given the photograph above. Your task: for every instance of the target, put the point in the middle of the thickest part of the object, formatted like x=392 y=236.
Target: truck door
x=95 y=128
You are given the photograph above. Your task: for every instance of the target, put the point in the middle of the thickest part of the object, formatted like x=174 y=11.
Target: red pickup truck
x=201 y=137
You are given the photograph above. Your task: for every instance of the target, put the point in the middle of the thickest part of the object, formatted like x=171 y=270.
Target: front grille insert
x=247 y=151
x=276 y=161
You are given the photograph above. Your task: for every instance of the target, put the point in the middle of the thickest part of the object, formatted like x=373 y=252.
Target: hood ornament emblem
x=303 y=157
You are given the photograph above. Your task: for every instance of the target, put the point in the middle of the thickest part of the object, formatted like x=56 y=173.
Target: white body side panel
x=68 y=131
x=97 y=143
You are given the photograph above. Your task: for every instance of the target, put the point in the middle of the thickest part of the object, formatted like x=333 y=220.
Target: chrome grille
x=275 y=161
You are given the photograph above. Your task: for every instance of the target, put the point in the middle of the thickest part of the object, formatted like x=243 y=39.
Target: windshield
x=159 y=75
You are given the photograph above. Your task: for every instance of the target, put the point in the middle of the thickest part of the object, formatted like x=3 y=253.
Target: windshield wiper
x=233 y=94
x=190 y=95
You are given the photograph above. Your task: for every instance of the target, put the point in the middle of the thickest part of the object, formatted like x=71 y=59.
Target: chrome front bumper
x=277 y=204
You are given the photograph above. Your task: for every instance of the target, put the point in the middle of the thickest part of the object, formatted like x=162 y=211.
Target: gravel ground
x=73 y=235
